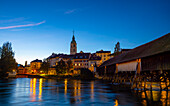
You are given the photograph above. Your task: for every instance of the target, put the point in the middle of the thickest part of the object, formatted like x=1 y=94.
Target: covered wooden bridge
x=149 y=62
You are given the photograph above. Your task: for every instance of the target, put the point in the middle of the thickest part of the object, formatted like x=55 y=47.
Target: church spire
x=73 y=45
x=73 y=38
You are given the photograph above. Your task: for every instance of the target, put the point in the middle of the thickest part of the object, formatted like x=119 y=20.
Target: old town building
x=103 y=54
x=94 y=62
x=54 y=59
x=80 y=60
x=35 y=65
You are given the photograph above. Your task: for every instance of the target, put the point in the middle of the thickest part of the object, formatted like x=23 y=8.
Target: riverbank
x=77 y=77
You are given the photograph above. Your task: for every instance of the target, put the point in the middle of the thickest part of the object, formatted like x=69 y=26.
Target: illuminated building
x=80 y=60
x=21 y=69
x=35 y=65
x=54 y=59
x=93 y=62
x=104 y=55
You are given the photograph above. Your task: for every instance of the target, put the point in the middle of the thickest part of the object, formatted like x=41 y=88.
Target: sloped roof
x=94 y=57
x=122 y=51
x=36 y=60
x=101 y=51
x=82 y=56
x=66 y=56
x=154 y=47
x=54 y=55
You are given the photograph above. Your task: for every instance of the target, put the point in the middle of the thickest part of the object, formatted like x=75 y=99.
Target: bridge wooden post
x=136 y=78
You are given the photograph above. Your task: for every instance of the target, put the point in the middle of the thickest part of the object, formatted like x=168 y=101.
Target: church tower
x=73 y=46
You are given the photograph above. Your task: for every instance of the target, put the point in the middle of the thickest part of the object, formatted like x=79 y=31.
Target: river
x=47 y=92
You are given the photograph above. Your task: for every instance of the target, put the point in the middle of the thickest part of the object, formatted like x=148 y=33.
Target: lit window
x=79 y=64
x=75 y=64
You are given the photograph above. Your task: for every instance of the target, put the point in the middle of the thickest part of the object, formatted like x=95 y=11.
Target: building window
x=81 y=56
x=75 y=64
x=79 y=64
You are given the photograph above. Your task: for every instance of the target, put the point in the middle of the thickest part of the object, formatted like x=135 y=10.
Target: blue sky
x=37 y=28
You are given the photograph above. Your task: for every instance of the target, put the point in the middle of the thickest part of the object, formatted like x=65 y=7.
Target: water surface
x=35 y=91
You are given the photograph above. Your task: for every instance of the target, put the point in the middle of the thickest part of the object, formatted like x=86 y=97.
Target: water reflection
x=75 y=92
x=34 y=87
x=92 y=91
x=155 y=97
x=40 y=89
x=65 y=86
x=116 y=102
x=33 y=91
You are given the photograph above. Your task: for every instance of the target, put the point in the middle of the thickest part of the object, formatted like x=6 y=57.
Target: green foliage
x=69 y=65
x=45 y=66
x=117 y=49
x=7 y=61
x=62 y=67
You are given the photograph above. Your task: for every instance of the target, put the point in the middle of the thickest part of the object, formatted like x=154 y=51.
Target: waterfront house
x=35 y=66
x=80 y=61
x=21 y=69
x=53 y=59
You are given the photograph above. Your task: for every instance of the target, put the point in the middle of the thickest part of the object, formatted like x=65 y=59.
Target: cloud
x=70 y=11
x=18 y=26
x=12 y=20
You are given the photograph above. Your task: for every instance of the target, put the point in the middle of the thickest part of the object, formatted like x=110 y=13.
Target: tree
x=45 y=66
x=69 y=65
x=61 y=67
x=117 y=49
x=7 y=61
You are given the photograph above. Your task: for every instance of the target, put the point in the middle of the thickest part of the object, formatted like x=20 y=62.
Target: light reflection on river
x=33 y=91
